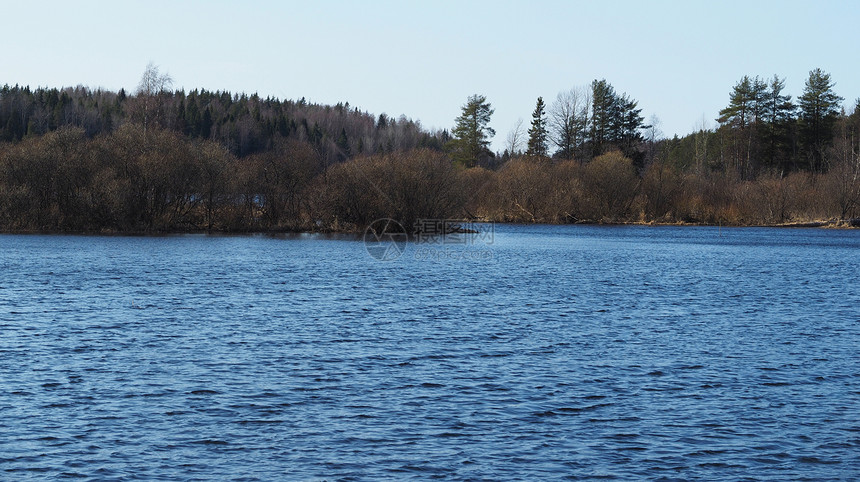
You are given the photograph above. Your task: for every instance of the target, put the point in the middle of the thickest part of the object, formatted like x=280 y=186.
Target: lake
x=524 y=352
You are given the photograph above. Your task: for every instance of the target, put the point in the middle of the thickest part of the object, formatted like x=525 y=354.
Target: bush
x=480 y=185
x=523 y=190
x=660 y=192
x=406 y=187
x=610 y=184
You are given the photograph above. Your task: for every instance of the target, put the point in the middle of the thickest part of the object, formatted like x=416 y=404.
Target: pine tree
x=192 y=116
x=343 y=144
x=737 y=114
x=472 y=132
x=778 y=113
x=616 y=122
x=819 y=109
x=538 y=133
x=206 y=124
x=742 y=122
x=631 y=123
x=602 y=112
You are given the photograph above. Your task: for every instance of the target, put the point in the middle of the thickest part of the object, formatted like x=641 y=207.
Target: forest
x=164 y=160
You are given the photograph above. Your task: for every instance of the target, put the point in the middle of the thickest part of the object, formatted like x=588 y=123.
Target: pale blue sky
x=679 y=59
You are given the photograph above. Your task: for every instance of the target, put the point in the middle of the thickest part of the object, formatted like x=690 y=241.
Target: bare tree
x=152 y=85
x=153 y=82
x=702 y=133
x=843 y=177
x=515 y=140
x=568 y=120
x=654 y=134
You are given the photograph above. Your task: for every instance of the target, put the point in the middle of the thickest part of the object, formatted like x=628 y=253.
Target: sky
x=679 y=59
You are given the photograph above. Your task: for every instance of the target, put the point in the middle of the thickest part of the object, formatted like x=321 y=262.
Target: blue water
x=539 y=352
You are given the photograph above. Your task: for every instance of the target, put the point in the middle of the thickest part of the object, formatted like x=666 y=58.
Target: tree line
x=586 y=122
x=763 y=129
x=244 y=124
x=160 y=160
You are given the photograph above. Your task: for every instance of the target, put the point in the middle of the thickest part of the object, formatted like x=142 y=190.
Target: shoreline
x=844 y=224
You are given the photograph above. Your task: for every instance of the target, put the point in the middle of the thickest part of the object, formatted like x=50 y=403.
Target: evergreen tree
x=343 y=144
x=382 y=123
x=472 y=132
x=206 y=124
x=778 y=113
x=192 y=116
x=819 y=109
x=14 y=127
x=179 y=123
x=738 y=112
x=630 y=123
x=538 y=133
x=282 y=127
x=602 y=113
x=616 y=122
x=742 y=122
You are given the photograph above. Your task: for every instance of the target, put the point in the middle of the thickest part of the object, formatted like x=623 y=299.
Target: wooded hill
x=244 y=124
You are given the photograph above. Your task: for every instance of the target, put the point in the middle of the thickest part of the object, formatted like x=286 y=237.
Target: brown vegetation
x=407 y=186
x=136 y=181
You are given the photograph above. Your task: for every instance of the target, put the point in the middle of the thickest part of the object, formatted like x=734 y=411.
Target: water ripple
x=574 y=352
